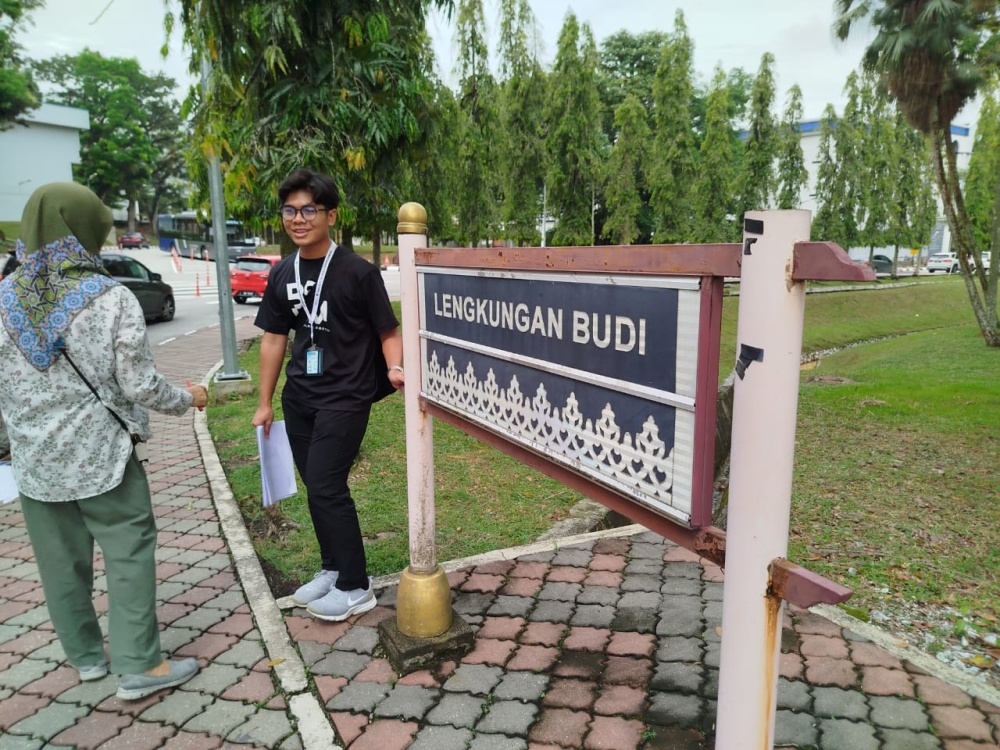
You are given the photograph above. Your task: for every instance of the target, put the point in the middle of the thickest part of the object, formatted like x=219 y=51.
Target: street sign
x=598 y=373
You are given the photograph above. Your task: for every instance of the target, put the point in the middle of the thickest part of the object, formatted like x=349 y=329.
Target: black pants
x=324 y=445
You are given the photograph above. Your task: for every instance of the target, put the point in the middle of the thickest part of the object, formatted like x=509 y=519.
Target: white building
x=940 y=239
x=41 y=150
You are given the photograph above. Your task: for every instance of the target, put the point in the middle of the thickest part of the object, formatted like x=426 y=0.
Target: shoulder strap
x=94 y=391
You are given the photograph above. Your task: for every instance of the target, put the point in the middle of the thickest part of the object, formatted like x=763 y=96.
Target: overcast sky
x=727 y=32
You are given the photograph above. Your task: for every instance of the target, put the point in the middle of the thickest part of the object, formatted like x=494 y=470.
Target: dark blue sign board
x=597 y=373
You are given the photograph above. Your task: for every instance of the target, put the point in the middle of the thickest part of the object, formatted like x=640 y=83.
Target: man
x=346 y=340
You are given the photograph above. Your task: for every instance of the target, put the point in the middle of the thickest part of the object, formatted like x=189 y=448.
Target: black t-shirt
x=354 y=309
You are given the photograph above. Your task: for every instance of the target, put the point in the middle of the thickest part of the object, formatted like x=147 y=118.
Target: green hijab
x=63 y=228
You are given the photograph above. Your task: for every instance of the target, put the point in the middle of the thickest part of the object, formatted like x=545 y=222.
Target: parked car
x=155 y=296
x=881 y=264
x=132 y=239
x=249 y=276
x=947 y=262
x=984 y=259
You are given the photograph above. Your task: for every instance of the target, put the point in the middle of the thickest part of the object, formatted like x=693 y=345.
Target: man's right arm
x=272 y=354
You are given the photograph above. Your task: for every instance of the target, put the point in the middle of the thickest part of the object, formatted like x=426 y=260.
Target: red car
x=132 y=239
x=249 y=276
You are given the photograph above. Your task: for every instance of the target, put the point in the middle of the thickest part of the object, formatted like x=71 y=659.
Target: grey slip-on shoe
x=135 y=686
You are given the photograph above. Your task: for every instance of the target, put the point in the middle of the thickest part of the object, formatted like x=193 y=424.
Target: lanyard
x=311 y=315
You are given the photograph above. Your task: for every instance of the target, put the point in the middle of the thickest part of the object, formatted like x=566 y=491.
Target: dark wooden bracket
x=827 y=261
x=802 y=587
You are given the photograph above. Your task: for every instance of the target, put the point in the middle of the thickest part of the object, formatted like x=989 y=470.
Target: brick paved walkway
x=604 y=642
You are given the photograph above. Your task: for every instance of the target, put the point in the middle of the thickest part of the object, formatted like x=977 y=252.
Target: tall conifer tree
x=626 y=172
x=573 y=122
x=713 y=189
x=792 y=172
x=757 y=180
x=672 y=176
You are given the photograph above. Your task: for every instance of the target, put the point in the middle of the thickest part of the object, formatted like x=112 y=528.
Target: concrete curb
x=314 y=725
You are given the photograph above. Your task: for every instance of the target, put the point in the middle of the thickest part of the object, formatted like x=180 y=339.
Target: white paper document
x=277 y=470
x=8 y=486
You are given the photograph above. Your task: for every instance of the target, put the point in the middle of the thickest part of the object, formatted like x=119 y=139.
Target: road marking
x=190 y=332
x=167 y=341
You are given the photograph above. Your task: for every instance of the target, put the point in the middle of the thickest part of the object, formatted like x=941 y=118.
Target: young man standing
x=346 y=339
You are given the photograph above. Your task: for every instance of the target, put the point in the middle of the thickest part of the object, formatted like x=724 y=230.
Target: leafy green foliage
x=792 y=173
x=132 y=149
x=672 y=171
x=757 y=178
x=712 y=191
x=18 y=92
x=339 y=87
x=520 y=140
x=572 y=142
x=626 y=176
x=984 y=172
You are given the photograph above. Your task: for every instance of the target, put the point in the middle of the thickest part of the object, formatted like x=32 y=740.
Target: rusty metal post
x=769 y=347
x=424 y=599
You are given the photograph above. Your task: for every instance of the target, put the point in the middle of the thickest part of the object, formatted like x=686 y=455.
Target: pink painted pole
x=419 y=427
x=765 y=402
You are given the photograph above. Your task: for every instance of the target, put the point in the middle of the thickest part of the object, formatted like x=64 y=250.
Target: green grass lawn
x=897 y=456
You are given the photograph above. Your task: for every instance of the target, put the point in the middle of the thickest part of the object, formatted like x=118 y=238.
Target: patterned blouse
x=64 y=443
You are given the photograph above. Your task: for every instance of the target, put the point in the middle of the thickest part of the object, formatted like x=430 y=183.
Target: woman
x=76 y=380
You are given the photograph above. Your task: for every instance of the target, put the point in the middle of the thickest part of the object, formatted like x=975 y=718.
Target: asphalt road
x=196 y=293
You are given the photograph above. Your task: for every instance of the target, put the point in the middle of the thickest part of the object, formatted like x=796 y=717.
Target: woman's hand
x=199 y=395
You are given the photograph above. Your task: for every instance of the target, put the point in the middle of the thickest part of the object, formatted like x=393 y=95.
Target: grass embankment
x=895 y=470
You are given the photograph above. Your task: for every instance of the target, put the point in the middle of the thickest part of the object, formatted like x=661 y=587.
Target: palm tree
x=932 y=56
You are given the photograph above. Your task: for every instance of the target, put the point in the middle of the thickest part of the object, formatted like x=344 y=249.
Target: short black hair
x=321 y=186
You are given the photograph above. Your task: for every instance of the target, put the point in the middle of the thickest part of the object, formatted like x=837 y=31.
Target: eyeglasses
x=309 y=213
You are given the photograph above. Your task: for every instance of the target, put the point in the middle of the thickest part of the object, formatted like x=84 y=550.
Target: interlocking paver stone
x=341 y=664
x=795 y=730
x=25 y=672
x=841 y=704
x=904 y=739
x=497 y=742
x=477 y=679
x=244 y=654
x=359 y=697
x=677 y=676
x=358 y=639
x=386 y=734
x=669 y=708
x=221 y=717
x=898 y=713
x=191 y=741
x=511 y=606
x=50 y=720
x=458 y=710
x=176 y=707
x=441 y=738
x=140 y=736
x=523 y=686
x=842 y=734
x=560 y=726
x=407 y=702
x=215 y=678
x=793 y=694
x=265 y=728
x=959 y=723
x=508 y=717
x=91 y=731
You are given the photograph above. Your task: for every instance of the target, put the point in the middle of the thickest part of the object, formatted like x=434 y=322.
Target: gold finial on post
x=412 y=219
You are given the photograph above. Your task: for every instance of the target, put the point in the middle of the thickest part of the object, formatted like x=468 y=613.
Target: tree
x=984 y=168
x=626 y=172
x=833 y=212
x=573 y=119
x=914 y=209
x=757 y=180
x=792 y=173
x=629 y=63
x=477 y=199
x=933 y=56
x=18 y=92
x=713 y=188
x=130 y=136
x=520 y=141
x=338 y=87
x=672 y=172
x=876 y=147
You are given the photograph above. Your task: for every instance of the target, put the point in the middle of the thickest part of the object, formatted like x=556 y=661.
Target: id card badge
x=314 y=361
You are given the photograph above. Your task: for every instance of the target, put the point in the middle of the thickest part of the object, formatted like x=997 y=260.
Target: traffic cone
x=197 y=288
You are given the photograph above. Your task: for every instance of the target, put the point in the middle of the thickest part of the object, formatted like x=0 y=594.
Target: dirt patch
x=827 y=380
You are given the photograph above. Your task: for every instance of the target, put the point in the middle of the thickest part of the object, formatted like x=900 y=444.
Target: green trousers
x=62 y=536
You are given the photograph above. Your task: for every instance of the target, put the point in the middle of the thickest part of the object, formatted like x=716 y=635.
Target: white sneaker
x=339 y=605
x=321 y=585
